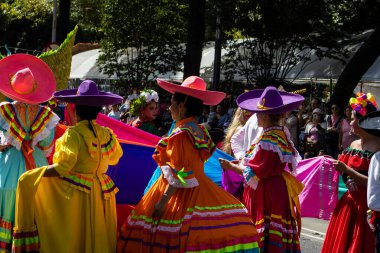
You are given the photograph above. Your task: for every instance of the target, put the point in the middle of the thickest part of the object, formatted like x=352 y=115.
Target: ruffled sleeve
x=174 y=156
x=66 y=150
x=115 y=148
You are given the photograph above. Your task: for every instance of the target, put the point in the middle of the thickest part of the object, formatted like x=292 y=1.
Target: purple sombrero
x=88 y=94
x=269 y=100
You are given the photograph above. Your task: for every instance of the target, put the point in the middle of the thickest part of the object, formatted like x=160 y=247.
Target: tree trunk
x=356 y=68
x=63 y=22
x=195 y=38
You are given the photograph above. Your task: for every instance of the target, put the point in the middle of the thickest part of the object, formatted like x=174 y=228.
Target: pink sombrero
x=26 y=78
x=194 y=86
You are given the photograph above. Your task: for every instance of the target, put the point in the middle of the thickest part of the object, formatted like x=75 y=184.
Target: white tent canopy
x=84 y=66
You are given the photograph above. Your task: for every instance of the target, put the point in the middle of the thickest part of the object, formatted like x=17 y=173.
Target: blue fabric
x=132 y=173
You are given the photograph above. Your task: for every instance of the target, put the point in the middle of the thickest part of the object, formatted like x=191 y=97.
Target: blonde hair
x=238 y=121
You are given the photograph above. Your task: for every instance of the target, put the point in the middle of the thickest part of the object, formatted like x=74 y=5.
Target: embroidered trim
x=5 y=235
x=45 y=121
x=199 y=135
x=85 y=183
x=15 y=133
x=108 y=186
x=25 y=240
x=250 y=179
x=276 y=139
x=173 y=181
x=79 y=181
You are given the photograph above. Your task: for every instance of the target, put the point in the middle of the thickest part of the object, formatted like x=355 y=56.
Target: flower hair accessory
x=150 y=95
x=361 y=101
x=144 y=98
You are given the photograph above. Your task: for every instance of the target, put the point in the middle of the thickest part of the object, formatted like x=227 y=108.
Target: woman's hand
x=159 y=209
x=340 y=167
x=225 y=164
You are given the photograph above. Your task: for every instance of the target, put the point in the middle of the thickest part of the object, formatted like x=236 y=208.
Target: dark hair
x=86 y=112
x=194 y=106
x=369 y=107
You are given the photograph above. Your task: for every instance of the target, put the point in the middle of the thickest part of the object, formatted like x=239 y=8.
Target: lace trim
x=173 y=181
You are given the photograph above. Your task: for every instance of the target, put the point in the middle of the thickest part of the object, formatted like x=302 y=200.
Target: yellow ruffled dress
x=75 y=212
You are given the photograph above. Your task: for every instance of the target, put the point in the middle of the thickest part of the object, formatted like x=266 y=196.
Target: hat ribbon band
x=262 y=107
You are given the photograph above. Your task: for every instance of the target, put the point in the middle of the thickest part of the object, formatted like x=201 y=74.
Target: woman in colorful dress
x=71 y=203
x=184 y=211
x=145 y=107
x=348 y=231
x=27 y=128
x=271 y=192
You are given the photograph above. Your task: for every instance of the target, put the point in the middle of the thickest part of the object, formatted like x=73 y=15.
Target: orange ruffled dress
x=200 y=216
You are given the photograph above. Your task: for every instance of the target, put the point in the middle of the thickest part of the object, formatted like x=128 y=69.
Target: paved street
x=312 y=234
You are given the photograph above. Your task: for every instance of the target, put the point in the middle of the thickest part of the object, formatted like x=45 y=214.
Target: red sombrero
x=26 y=78
x=194 y=86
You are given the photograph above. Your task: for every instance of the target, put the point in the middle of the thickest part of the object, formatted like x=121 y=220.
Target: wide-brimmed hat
x=26 y=78
x=194 y=86
x=88 y=94
x=269 y=101
x=371 y=123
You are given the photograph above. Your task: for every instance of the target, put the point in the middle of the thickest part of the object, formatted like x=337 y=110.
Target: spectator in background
x=114 y=113
x=315 y=103
x=315 y=134
x=346 y=136
x=334 y=122
x=205 y=113
x=291 y=122
x=222 y=116
x=212 y=119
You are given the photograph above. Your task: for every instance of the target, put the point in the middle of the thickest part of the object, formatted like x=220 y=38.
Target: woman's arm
x=234 y=166
x=159 y=208
x=356 y=176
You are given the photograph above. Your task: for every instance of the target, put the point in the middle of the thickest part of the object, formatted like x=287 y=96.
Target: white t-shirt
x=373 y=186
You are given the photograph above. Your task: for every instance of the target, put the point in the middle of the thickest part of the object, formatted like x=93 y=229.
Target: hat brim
x=208 y=97
x=43 y=76
x=371 y=123
x=249 y=101
x=104 y=98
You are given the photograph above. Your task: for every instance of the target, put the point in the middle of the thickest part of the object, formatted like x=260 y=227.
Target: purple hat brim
x=104 y=98
x=371 y=123
x=249 y=101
